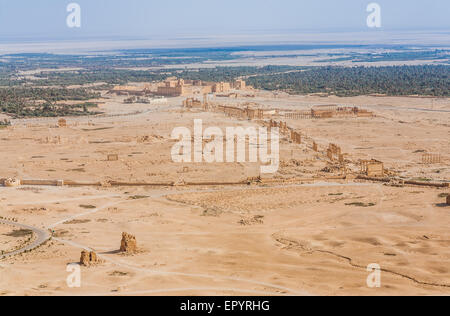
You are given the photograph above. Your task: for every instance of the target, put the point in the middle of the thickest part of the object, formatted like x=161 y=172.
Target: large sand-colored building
x=239 y=85
x=172 y=87
x=221 y=87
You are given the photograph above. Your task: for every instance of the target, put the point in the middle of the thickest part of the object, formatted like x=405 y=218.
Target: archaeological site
x=233 y=150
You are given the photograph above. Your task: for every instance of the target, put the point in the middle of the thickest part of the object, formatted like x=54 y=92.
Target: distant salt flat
x=70 y=46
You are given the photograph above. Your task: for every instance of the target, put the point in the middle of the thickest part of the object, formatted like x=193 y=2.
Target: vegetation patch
x=361 y=204
x=353 y=81
x=22 y=102
x=90 y=207
x=118 y=273
x=212 y=212
x=422 y=179
x=77 y=221
x=20 y=233
x=138 y=197
x=77 y=170
x=96 y=129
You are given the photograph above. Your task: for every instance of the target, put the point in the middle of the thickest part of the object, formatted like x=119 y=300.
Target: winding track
x=281 y=290
x=41 y=237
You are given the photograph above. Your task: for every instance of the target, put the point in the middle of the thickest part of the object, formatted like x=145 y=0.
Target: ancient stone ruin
x=448 y=200
x=315 y=147
x=10 y=182
x=128 y=243
x=329 y=111
x=296 y=137
x=62 y=123
x=372 y=168
x=431 y=158
x=113 y=157
x=88 y=258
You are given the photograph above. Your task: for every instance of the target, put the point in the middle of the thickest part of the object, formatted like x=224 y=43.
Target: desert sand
x=310 y=237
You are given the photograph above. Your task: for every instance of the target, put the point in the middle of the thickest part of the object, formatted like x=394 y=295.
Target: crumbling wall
x=128 y=243
x=296 y=137
x=43 y=182
x=88 y=258
x=10 y=182
x=315 y=147
x=372 y=168
x=431 y=158
x=334 y=152
x=113 y=157
x=62 y=123
x=58 y=140
x=329 y=111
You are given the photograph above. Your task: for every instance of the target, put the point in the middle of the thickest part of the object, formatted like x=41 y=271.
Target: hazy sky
x=30 y=19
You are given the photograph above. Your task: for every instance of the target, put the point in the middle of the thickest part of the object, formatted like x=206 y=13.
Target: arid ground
x=306 y=237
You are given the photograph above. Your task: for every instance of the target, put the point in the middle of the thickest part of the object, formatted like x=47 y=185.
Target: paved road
x=41 y=237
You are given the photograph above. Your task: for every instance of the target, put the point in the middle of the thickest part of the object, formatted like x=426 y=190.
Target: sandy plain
x=304 y=238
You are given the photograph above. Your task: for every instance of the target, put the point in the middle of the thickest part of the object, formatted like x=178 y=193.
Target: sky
x=46 y=19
